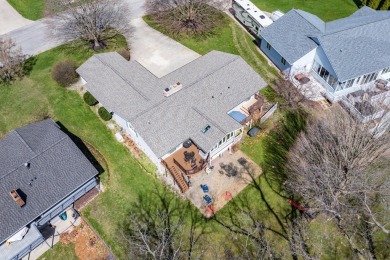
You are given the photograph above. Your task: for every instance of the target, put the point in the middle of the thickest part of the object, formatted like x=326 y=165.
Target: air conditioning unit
x=172 y=89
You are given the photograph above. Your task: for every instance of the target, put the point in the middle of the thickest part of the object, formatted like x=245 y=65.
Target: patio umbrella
x=227 y=195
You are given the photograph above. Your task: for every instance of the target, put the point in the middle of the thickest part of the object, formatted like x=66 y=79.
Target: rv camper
x=250 y=16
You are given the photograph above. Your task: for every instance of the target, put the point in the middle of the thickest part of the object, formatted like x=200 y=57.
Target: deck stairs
x=179 y=179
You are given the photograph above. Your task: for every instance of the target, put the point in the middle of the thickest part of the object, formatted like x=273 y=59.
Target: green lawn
x=327 y=10
x=38 y=96
x=60 y=251
x=30 y=9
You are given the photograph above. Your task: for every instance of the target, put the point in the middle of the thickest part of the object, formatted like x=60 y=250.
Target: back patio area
x=229 y=175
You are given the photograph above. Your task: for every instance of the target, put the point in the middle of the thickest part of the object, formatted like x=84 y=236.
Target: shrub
x=104 y=114
x=125 y=53
x=89 y=99
x=64 y=72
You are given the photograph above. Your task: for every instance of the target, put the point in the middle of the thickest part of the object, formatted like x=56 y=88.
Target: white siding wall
x=304 y=64
x=139 y=141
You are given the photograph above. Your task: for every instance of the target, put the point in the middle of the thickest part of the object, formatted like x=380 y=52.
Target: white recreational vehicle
x=250 y=16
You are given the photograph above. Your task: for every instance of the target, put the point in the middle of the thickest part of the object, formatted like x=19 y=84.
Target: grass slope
x=60 y=251
x=327 y=10
x=30 y=9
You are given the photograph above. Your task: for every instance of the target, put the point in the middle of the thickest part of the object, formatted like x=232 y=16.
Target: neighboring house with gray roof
x=42 y=173
x=344 y=55
x=197 y=107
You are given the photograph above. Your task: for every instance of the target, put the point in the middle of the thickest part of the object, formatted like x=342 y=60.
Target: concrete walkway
x=10 y=19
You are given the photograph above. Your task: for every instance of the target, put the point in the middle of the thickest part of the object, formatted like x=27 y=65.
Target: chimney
x=15 y=195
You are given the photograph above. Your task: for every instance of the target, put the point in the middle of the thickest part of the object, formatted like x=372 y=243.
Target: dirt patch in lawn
x=87 y=244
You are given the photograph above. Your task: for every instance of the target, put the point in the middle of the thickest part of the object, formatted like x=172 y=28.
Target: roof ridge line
x=212 y=72
x=296 y=10
x=23 y=141
x=209 y=119
x=148 y=109
x=353 y=26
x=123 y=78
x=36 y=155
x=191 y=84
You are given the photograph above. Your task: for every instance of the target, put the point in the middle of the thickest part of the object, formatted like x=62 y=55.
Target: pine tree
x=374 y=4
x=385 y=5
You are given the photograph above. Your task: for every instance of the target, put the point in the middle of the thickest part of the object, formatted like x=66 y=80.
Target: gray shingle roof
x=289 y=34
x=358 y=45
x=57 y=168
x=212 y=85
x=354 y=45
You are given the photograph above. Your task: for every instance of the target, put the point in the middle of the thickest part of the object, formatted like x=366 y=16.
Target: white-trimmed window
x=385 y=70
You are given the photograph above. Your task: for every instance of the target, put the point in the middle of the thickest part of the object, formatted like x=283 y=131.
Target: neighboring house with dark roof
x=42 y=173
x=190 y=106
x=344 y=55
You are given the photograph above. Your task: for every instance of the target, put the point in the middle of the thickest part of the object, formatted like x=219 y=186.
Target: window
x=268 y=46
x=349 y=83
x=369 y=77
x=385 y=70
x=324 y=73
x=283 y=61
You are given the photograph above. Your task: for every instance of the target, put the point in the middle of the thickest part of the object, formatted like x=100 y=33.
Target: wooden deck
x=177 y=159
x=180 y=168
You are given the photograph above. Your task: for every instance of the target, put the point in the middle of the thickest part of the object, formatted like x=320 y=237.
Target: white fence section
x=269 y=113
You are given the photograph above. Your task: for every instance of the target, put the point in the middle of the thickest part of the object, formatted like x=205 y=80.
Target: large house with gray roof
x=183 y=120
x=344 y=55
x=42 y=174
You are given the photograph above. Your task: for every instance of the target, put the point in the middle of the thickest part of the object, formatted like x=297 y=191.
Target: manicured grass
x=327 y=10
x=30 y=9
x=39 y=96
x=60 y=251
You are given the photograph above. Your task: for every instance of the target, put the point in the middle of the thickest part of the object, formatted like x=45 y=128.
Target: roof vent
x=172 y=89
x=15 y=195
x=262 y=17
x=206 y=129
x=27 y=164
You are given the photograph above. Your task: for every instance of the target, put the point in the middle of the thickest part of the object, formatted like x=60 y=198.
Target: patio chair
x=207 y=199
x=205 y=188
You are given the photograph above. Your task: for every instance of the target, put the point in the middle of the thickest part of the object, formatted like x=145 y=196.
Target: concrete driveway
x=10 y=19
x=157 y=52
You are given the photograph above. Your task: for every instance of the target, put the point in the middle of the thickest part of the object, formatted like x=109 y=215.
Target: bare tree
x=294 y=96
x=90 y=20
x=186 y=16
x=11 y=61
x=337 y=166
x=160 y=227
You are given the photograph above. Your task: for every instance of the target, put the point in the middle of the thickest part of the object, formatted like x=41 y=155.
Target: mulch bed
x=87 y=245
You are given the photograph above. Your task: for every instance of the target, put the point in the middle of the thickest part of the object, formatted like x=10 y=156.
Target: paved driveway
x=157 y=52
x=10 y=19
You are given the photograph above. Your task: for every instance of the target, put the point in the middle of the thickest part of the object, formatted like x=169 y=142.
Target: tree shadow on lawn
x=162 y=222
x=276 y=147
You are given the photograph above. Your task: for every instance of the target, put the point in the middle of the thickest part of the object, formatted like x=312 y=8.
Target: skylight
x=206 y=129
